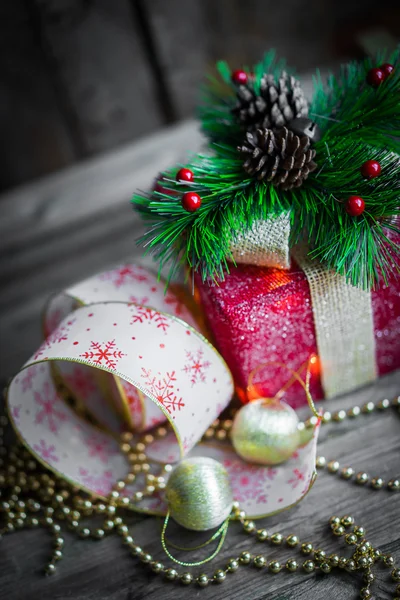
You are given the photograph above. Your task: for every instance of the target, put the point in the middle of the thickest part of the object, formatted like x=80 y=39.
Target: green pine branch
x=348 y=106
x=358 y=123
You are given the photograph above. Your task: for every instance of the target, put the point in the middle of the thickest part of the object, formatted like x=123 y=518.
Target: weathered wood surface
x=79 y=77
x=62 y=229
x=35 y=139
x=75 y=81
x=101 y=64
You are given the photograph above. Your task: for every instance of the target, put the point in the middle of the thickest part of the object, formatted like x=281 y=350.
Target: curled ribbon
x=132 y=357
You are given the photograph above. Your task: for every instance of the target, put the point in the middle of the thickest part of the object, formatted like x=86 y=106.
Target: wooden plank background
x=80 y=77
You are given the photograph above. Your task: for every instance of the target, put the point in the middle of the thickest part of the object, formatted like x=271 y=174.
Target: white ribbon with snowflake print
x=132 y=365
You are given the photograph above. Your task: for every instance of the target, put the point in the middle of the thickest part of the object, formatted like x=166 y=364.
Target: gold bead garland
x=32 y=497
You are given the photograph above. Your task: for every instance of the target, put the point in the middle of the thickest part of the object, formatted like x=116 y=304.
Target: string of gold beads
x=361 y=478
x=363 y=558
x=367 y=408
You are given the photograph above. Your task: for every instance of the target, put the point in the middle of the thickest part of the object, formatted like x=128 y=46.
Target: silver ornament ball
x=266 y=432
x=199 y=494
x=305 y=126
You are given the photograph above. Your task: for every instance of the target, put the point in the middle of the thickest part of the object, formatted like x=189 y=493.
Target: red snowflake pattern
x=47 y=452
x=48 y=403
x=103 y=353
x=196 y=366
x=125 y=274
x=80 y=382
x=150 y=315
x=27 y=379
x=101 y=484
x=100 y=448
x=298 y=477
x=59 y=335
x=163 y=389
x=249 y=481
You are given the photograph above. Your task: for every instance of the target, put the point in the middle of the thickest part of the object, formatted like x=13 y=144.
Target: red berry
x=191 y=201
x=370 y=169
x=387 y=69
x=184 y=175
x=239 y=77
x=355 y=206
x=375 y=77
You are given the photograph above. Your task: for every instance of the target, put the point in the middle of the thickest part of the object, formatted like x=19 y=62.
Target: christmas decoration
x=370 y=169
x=259 y=314
x=281 y=139
x=239 y=77
x=44 y=499
x=199 y=494
x=191 y=201
x=265 y=431
x=278 y=156
x=375 y=77
x=159 y=371
x=355 y=206
x=276 y=104
x=387 y=69
x=184 y=175
x=67 y=470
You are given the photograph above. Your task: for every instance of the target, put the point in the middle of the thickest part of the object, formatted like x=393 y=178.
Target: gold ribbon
x=344 y=327
x=266 y=244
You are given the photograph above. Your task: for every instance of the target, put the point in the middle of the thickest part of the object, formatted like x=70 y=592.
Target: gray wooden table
x=69 y=225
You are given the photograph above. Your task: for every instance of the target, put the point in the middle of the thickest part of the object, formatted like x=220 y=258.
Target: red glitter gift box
x=260 y=315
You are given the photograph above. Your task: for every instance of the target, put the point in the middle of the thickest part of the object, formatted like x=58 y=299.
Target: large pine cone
x=277 y=104
x=279 y=156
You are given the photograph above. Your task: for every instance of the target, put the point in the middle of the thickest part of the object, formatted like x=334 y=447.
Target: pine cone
x=277 y=104
x=279 y=156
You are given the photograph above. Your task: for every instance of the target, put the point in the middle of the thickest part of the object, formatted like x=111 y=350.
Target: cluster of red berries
x=378 y=75
x=190 y=200
x=355 y=205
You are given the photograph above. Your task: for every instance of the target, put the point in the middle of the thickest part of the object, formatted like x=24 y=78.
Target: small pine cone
x=279 y=156
x=277 y=104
